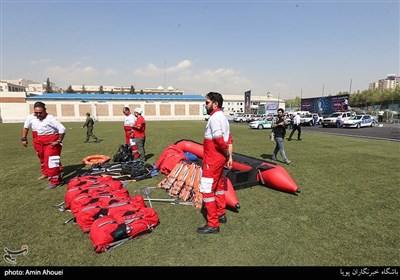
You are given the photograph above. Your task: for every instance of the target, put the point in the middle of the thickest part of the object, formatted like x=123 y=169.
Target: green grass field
x=346 y=215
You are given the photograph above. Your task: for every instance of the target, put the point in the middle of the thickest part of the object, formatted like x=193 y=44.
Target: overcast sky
x=284 y=47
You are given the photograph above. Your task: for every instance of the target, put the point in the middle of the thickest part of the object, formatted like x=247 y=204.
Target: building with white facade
x=17 y=99
x=31 y=86
x=124 y=89
x=234 y=104
x=391 y=82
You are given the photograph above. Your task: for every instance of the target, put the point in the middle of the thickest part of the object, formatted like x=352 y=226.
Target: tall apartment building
x=391 y=82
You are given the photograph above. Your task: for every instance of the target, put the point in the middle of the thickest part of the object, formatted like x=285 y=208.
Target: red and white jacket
x=216 y=138
x=44 y=130
x=129 y=121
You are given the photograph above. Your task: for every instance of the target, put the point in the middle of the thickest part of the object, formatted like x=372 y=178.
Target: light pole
x=351 y=80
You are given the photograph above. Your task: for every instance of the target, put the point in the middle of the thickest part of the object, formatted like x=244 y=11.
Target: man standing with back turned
x=218 y=147
x=296 y=126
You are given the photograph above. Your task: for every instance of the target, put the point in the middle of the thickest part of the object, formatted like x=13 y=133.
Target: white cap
x=138 y=110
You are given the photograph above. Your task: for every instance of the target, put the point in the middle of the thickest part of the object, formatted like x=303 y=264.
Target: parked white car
x=332 y=119
x=308 y=119
x=262 y=123
x=360 y=121
x=241 y=118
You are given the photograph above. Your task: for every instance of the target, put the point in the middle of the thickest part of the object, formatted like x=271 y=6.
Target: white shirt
x=129 y=120
x=48 y=125
x=296 y=120
x=28 y=121
x=217 y=126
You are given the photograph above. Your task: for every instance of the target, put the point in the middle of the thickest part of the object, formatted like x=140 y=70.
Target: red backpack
x=96 y=196
x=103 y=207
x=110 y=231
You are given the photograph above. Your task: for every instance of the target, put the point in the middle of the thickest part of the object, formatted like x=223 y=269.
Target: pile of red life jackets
x=104 y=208
x=183 y=182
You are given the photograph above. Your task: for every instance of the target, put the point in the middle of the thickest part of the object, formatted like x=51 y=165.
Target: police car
x=360 y=121
x=308 y=119
x=262 y=123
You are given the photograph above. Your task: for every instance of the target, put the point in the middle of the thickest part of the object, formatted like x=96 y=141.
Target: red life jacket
x=169 y=158
x=108 y=230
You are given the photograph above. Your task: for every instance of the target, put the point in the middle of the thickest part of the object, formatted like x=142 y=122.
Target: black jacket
x=280 y=130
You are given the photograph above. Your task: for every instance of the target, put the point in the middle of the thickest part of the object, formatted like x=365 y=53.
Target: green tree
x=374 y=97
x=69 y=89
x=101 y=90
x=83 y=89
x=141 y=91
x=290 y=103
x=132 y=91
x=48 y=86
x=112 y=91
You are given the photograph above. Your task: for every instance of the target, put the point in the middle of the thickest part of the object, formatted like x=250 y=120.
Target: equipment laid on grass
x=100 y=205
x=184 y=178
x=248 y=171
x=124 y=154
x=90 y=160
x=125 y=171
x=110 y=231
x=146 y=191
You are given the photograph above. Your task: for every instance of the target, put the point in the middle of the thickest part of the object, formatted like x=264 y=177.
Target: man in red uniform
x=36 y=146
x=48 y=134
x=218 y=146
x=139 y=133
x=129 y=121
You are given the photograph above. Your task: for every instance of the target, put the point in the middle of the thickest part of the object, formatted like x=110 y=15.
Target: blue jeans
x=279 y=147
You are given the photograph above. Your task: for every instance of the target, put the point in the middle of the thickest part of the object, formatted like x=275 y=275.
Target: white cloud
x=182 y=75
x=222 y=79
x=151 y=70
x=72 y=74
x=88 y=69
x=280 y=86
x=40 y=61
x=110 y=72
x=181 y=66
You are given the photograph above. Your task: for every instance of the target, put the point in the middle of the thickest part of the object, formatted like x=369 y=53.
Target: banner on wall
x=247 y=101
x=271 y=108
x=324 y=105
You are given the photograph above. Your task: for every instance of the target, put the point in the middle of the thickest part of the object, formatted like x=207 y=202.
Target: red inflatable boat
x=248 y=171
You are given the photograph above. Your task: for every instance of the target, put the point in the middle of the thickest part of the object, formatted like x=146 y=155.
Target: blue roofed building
x=15 y=106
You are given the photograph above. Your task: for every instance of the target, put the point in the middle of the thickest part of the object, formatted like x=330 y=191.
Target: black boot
x=208 y=229
x=222 y=219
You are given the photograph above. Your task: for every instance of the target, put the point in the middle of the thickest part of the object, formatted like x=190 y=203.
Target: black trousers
x=298 y=128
